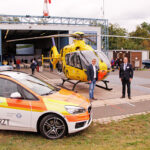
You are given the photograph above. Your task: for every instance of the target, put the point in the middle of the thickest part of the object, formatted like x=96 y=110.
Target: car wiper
x=37 y=83
x=51 y=92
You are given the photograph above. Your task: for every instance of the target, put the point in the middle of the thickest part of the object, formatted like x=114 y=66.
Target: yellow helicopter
x=76 y=58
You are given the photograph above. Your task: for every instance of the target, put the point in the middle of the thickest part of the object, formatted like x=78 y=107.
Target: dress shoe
x=122 y=97
x=129 y=97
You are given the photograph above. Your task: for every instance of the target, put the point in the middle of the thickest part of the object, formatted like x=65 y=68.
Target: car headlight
x=75 y=109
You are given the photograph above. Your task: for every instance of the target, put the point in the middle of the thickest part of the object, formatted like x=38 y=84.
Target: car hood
x=66 y=97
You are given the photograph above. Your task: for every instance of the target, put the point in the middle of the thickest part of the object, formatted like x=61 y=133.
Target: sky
x=127 y=13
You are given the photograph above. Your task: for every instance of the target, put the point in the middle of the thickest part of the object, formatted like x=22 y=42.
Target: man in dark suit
x=126 y=75
x=92 y=73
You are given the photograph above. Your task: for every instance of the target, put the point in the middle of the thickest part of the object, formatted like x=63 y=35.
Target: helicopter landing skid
x=75 y=83
x=68 y=80
x=106 y=85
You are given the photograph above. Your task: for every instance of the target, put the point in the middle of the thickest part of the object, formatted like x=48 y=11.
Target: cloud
x=127 y=13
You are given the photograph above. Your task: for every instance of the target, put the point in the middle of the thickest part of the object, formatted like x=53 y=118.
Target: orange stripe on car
x=75 y=118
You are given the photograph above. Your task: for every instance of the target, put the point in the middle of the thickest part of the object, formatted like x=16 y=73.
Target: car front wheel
x=53 y=127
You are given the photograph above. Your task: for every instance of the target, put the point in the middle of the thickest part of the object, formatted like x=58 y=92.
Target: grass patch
x=129 y=134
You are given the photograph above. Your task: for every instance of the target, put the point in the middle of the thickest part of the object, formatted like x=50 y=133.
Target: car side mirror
x=15 y=95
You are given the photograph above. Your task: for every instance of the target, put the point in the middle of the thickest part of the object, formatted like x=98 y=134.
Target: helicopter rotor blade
x=90 y=40
x=76 y=36
x=90 y=35
x=129 y=37
x=39 y=37
x=50 y=36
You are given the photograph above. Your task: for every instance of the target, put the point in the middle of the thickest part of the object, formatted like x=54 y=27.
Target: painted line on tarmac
x=130 y=104
x=125 y=102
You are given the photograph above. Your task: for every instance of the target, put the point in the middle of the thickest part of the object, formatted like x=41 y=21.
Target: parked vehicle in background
x=5 y=67
x=146 y=63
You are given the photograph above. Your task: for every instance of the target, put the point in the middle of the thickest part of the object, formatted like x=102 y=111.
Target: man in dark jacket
x=126 y=75
x=92 y=73
x=33 y=66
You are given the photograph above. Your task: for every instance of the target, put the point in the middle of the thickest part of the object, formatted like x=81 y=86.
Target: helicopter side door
x=78 y=71
x=69 y=67
x=75 y=67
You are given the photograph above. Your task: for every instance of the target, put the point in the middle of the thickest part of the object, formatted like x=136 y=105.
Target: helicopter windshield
x=104 y=58
x=89 y=56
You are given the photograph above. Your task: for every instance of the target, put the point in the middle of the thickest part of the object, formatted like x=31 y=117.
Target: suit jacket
x=127 y=73
x=90 y=73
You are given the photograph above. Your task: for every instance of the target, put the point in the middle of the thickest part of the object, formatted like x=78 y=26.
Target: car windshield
x=36 y=85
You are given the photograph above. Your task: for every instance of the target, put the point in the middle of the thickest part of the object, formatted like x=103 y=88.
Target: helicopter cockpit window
x=78 y=62
x=89 y=56
x=104 y=58
x=75 y=60
x=83 y=64
x=72 y=59
x=67 y=59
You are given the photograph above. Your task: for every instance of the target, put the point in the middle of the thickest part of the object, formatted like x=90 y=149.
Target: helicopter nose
x=102 y=74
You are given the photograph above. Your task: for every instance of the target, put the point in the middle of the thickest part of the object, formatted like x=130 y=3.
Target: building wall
x=136 y=59
x=145 y=53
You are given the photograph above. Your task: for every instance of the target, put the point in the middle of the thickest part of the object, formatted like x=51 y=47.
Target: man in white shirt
x=92 y=73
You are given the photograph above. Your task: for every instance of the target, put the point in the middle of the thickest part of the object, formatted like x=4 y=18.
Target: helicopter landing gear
x=106 y=85
x=75 y=83
x=68 y=80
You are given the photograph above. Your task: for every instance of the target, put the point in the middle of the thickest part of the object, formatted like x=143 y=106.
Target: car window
x=28 y=95
x=7 y=88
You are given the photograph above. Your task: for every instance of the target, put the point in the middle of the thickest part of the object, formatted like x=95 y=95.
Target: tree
x=117 y=43
x=142 y=30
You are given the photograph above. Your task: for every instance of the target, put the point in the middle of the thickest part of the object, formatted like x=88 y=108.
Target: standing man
x=126 y=75
x=92 y=73
x=33 y=66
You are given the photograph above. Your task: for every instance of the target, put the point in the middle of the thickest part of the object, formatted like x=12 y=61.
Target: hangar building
x=15 y=27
